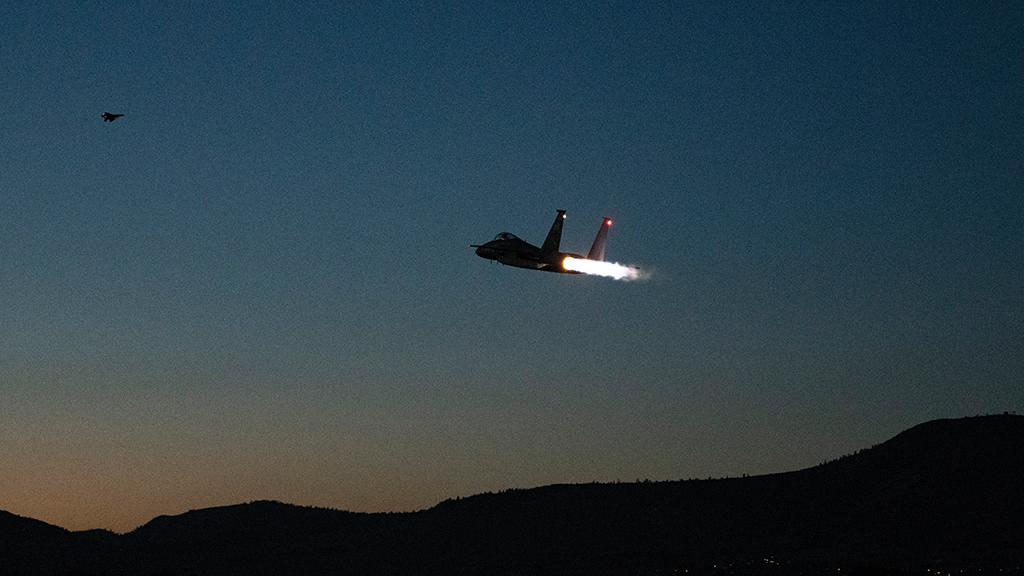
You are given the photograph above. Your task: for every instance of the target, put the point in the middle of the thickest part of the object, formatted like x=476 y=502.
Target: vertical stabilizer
x=597 y=248
x=554 y=235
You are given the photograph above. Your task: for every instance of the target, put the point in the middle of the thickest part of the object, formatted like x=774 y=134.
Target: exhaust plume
x=602 y=268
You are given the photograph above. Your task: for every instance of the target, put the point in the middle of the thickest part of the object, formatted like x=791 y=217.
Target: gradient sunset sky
x=257 y=285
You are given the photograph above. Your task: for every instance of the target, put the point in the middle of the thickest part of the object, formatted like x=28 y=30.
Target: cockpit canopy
x=506 y=236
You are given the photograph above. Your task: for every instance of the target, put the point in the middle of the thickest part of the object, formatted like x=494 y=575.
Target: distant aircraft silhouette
x=108 y=117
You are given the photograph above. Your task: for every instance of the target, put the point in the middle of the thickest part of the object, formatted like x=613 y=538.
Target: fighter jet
x=108 y=117
x=510 y=250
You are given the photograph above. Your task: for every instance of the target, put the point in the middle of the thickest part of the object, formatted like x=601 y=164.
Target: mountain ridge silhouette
x=943 y=494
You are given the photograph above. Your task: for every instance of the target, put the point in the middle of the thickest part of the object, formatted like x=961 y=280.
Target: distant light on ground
x=606 y=269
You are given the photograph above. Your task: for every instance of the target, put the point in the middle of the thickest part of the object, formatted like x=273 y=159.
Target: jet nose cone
x=487 y=252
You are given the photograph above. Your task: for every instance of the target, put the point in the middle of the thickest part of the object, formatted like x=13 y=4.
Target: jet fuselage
x=511 y=250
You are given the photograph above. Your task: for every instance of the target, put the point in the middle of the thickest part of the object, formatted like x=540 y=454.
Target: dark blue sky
x=257 y=283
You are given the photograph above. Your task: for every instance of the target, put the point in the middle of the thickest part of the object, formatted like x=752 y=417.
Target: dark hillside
x=28 y=546
x=948 y=492
x=945 y=494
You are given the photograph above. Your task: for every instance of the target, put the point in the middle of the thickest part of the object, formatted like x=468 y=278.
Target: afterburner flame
x=600 y=268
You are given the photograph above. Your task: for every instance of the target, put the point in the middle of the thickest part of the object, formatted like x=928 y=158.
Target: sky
x=257 y=283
